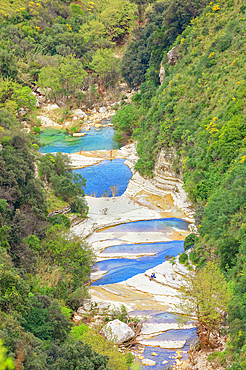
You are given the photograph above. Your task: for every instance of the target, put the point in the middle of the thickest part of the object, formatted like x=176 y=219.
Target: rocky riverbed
x=134 y=235
x=160 y=198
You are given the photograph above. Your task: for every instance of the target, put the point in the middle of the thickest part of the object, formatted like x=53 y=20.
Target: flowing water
x=136 y=257
x=121 y=269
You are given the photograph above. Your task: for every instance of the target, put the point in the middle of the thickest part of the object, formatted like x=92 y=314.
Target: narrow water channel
x=132 y=248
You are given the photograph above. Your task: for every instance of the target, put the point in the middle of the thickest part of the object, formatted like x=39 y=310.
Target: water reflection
x=102 y=176
x=121 y=269
x=56 y=140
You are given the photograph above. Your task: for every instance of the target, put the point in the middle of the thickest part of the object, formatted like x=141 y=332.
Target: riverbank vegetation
x=73 y=51
x=198 y=115
x=44 y=270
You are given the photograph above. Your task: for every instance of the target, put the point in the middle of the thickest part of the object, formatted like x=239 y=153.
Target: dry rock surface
x=117 y=331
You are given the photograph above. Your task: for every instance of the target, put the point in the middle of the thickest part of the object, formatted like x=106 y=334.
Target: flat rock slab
x=166 y=344
x=153 y=328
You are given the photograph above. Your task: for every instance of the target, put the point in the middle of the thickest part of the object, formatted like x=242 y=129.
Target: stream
x=131 y=239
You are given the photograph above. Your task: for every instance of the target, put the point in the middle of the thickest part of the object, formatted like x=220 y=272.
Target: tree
x=6 y=363
x=105 y=66
x=125 y=121
x=8 y=67
x=64 y=79
x=44 y=318
x=75 y=356
x=204 y=299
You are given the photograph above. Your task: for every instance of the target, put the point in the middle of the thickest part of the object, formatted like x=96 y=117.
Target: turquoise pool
x=55 y=140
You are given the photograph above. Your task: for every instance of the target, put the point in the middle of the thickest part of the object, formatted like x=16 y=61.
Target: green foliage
x=6 y=363
x=45 y=320
x=56 y=169
x=14 y=291
x=64 y=79
x=204 y=126
x=60 y=220
x=7 y=119
x=194 y=257
x=165 y=21
x=66 y=265
x=205 y=293
x=105 y=66
x=78 y=205
x=117 y=360
x=76 y=355
x=183 y=258
x=8 y=67
x=14 y=96
x=190 y=240
x=125 y=121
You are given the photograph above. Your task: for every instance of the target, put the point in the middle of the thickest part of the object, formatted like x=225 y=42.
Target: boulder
x=173 y=55
x=148 y=362
x=117 y=331
x=79 y=113
x=22 y=112
x=102 y=110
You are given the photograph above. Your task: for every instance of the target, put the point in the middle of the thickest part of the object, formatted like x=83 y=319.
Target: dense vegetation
x=164 y=21
x=71 y=51
x=63 y=47
x=198 y=115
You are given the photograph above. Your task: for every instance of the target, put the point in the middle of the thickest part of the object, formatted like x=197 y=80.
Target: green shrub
x=183 y=258
x=117 y=361
x=190 y=240
x=194 y=257
x=60 y=220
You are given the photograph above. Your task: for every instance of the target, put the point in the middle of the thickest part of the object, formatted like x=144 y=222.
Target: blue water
x=143 y=247
x=105 y=174
x=150 y=225
x=56 y=140
x=156 y=316
x=120 y=269
x=190 y=335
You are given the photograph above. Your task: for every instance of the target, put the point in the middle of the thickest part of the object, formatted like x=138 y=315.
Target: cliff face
x=165 y=189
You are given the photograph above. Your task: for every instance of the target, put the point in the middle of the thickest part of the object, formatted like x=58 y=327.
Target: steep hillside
x=198 y=115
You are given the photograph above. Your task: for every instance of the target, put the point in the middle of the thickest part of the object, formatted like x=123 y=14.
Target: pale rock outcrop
x=173 y=55
x=148 y=362
x=162 y=73
x=165 y=181
x=79 y=114
x=22 y=112
x=117 y=331
x=47 y=122
x=50 y=107
x=102 y=110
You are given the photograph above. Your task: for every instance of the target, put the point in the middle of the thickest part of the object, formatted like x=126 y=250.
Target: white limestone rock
x=50 y=107
x=148 y=362
x=47 y=122
x=102 y=110
x=117 y=331
x=79 y=113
